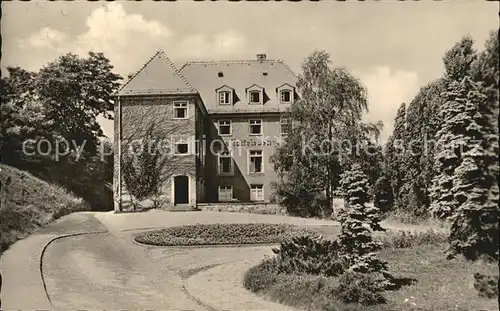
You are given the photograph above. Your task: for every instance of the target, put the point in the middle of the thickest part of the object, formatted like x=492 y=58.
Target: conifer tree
x=394 y=161
x=475 y=224
x=450 y=137
x=358 y=222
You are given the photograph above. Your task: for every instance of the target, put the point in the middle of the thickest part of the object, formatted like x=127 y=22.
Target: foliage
x=220 y=234
x=261 y=277
x=475 y=224
x=358 y=250
x=311 y=160
x=441 y=284
x=421 y=126
x=60 y=104
x=360 y=288
x=28 y=203
x=408 y=239
x=308 y=254
x=142 y=168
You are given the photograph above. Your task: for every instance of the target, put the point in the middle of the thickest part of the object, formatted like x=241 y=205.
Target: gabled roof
x=268 y=74
x=224 y=87
x=254 y=87
x=284 y=85
x=158 y=76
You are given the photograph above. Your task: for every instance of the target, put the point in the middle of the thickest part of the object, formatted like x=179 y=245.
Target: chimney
x=261 y=57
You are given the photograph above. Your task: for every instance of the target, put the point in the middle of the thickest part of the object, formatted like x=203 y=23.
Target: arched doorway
x=181 y=190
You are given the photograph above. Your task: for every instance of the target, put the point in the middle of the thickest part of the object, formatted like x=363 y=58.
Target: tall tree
x=449 y=137
x=329 y=112
x=74 y=91
x=475 y=223
x=421 y=126
x=475 y=230
x=395 y=150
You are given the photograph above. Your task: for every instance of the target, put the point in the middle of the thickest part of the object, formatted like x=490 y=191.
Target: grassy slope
x=441 y=284
x=28 y=203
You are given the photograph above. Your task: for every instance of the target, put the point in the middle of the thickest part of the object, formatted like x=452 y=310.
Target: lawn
x=432 y=282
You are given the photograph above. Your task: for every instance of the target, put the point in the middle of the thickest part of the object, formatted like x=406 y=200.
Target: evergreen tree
x=475 y=224
x=449 y=136
x=421 y=125
x=358 y=221
x=394 y=158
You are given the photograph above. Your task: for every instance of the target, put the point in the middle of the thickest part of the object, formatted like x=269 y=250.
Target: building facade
x=220 y=120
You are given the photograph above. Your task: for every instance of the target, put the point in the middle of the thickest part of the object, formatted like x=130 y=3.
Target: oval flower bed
x=221 y=234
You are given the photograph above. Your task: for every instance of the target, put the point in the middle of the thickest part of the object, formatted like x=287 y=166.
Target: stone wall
x=254 y=208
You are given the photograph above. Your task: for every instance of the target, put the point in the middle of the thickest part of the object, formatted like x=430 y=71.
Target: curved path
x=61 y=268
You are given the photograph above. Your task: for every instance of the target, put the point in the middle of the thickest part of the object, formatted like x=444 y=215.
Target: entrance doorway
x=181 y=190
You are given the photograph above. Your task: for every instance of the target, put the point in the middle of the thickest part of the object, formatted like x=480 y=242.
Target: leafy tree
x=143 y=167
x=59 y=103
x=311 y=159
x=74 y=91
x=357 y=247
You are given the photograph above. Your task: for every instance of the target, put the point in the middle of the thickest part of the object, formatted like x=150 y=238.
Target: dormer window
x=225 y=95
x=255 y=97
x=285 y=93
x=286 y=96
x=225 y=98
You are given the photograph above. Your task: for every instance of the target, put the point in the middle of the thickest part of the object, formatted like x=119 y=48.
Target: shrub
x=408 y=239
x=219 y=234
x=309 y=254
x=261 y=277
x=359 y=288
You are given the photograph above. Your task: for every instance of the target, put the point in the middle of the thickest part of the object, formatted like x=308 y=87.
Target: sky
x=393 y=47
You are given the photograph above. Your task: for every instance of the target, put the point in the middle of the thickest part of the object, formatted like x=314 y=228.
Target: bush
x=408 y=239
x=359 y=288
x=220 y=234
x=261 y=277
x=309 y=254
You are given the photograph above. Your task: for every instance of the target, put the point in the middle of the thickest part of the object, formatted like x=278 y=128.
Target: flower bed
x=221 y=234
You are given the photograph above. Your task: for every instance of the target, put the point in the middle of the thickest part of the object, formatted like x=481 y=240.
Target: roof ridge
x=176 y=70
x=288 y=67
x=138 y=71
x=228 y=61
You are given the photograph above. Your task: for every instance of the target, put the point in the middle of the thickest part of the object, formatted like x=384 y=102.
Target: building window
x=181 y=148
x=224 y=127
x=257 y=192
x=286 y=96
x=255 y=127
x=225 y=163
x=255 y=97
x=225 y=193
x=180 y=110
x=224 y=98
x=285 y=127
x=256 y=163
